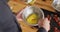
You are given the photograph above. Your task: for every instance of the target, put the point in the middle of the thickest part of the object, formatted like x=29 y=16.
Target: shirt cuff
x=41 y=29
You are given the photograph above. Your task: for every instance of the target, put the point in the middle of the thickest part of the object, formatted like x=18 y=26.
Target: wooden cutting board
x=18 y=5
x=26 y=28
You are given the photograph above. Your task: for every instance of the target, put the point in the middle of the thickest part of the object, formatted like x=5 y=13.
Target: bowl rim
x=33 y=24
x=54 y=7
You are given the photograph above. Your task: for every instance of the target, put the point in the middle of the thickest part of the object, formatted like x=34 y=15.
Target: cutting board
x=18 y=5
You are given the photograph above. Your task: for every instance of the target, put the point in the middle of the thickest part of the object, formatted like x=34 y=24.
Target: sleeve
x=41 y=30
x=8 y=22
x=1 y=29
x=18 y=25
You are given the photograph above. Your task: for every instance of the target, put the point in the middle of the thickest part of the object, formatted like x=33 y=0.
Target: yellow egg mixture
x=32 y=19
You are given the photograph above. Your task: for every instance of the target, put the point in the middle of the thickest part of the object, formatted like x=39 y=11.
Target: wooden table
x=26 y=28
x=17 y=6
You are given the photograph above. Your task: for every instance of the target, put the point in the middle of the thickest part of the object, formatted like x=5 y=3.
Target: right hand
x=45 y=23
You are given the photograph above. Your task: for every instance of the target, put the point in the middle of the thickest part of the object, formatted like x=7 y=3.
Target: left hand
x=19 y=16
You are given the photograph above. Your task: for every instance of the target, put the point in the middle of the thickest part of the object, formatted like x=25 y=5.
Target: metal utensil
x=32 y=9
x=56 y=5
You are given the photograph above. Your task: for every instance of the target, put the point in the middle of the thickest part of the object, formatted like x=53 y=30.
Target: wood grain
x=18 y=5
x=26 y=28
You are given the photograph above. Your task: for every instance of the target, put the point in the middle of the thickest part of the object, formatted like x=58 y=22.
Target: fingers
x=46 y=20
x=45 y=23
x=19 y=16
x=40 y=22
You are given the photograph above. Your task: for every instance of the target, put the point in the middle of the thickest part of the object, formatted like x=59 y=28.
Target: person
x=8 y=22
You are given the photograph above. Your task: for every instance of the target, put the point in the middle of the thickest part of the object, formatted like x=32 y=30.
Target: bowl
x=29 y=10
x=56 y=5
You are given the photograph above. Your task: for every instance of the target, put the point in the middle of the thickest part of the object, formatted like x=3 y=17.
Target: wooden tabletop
x=17 y=5
x=26 y=28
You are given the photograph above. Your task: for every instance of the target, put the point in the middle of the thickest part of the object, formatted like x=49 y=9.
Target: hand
x=45 y=23
x=19 y=16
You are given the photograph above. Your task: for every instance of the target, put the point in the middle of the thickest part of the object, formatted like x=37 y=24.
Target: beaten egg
x=32 y=19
